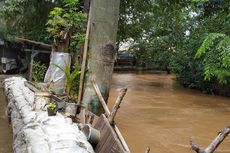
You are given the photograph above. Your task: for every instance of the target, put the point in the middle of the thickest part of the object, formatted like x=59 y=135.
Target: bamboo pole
x=101 y=99
x=117 y=105
x=83 y=67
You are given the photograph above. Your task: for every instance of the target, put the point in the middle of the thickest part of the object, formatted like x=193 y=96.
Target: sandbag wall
x=36 y=132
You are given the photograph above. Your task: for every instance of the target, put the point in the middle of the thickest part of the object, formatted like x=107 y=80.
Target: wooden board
x=109 y=142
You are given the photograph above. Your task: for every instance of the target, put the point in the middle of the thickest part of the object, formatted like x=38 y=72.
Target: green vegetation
x=215 y=55
x=66 y=26
x=190 y=38
x=72 y=80
x=39 y=71
x=25 y=18
x=52 y=106
x=202 y=61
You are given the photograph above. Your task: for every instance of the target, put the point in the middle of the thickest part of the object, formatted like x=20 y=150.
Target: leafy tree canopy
x=26 y=18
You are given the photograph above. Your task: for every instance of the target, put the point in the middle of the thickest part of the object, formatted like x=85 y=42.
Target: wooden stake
x=214 y=144
x=101 y=99
x=147 y=150
x=117 y=105
x=83 y=66
x=107 y=112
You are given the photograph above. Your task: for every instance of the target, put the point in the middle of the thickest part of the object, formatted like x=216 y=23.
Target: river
x=5 y=129
x=157 y=112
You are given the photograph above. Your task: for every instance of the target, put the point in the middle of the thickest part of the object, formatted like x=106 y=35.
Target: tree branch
x=214 y=144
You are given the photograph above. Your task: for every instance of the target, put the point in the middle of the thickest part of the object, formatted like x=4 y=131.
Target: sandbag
x=35 y=131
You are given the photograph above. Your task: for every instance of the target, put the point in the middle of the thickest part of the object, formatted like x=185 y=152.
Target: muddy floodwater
x=158 y=113
x=5 y=129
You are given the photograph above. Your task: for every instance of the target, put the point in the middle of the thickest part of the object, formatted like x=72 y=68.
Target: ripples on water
x=156 y=112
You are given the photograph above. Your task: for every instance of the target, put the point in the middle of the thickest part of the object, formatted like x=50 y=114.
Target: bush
x=39 y=71
x=188 y=70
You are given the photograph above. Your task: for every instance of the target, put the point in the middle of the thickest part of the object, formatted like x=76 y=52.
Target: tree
x=202 y=61
x=103 y=31
x=26 y=18
x=66 y=26
x=156 y=28
x=215 y=54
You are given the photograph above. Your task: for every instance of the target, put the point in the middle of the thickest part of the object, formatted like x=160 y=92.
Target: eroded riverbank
x=158 y=113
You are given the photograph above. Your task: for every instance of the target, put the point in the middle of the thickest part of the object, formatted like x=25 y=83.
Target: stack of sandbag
x=36 y=132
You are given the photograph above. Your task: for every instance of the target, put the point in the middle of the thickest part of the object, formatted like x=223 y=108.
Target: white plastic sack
x=55 y=74
x=36 y=132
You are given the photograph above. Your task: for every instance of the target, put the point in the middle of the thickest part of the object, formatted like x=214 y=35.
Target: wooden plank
x=55 y=98
x=81 y=116
x=115 y=148
x=104 y=139
x=31 y=86
x=109 y=138
x=120 y=137
x=108 y=141
x=101 y=127
x=108 y=114
x=111 y=145
x=22 y=40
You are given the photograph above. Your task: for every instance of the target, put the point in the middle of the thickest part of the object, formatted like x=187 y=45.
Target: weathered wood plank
x=31 y=86
x=109 y=139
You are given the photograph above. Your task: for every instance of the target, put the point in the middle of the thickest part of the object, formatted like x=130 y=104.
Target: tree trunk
x=101 y=51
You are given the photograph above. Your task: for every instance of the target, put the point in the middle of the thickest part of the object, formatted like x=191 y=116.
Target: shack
x=8 y=56
x=17 y=55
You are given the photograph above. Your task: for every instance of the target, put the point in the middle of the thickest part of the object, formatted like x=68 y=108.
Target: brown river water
x=157 y=112
x=5 y=129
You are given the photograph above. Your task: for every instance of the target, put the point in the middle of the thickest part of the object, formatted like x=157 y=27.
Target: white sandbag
x=29 y=117
x=36 y=132
x=36 y=139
